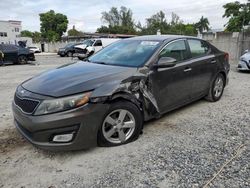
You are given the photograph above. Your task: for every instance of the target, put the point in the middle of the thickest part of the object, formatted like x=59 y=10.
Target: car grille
x=26 y=105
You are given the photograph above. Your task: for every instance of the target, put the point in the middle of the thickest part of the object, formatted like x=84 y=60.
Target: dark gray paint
x=154 y=91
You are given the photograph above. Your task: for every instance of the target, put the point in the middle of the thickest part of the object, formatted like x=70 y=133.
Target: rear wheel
x=217 y=88
x=22 y=59
x=121 y=124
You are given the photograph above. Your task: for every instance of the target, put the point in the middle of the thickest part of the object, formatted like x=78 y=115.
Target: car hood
x=81 y=46
x=246 y=56
x=76 y=78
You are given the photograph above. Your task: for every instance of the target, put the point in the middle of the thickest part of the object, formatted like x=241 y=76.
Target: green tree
x=154 y=23
x=202 y=25
x=53 y=25
x=36 y=36
x=26 y=33
x=119 y=21
x=74 y=32
x=238 y=14
x=158 y=21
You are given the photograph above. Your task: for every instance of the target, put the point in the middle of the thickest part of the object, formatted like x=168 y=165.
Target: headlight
x=62 y=104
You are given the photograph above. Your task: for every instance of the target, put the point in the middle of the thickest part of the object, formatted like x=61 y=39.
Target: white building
x=10 y=31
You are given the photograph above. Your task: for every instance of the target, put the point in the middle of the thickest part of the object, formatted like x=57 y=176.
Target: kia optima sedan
x=105 y=99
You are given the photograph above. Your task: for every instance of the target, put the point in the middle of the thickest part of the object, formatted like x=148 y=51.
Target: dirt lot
x=185 y=148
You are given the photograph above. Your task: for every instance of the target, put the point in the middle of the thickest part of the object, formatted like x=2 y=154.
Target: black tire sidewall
x=69 y=54
x=212 y=89
x=133 y=109
x=20 y=62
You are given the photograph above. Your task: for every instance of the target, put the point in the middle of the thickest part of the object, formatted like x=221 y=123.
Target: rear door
x=172 y=86
x=203 y=65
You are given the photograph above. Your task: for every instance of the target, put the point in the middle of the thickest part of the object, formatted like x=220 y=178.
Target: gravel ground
x=189 y=147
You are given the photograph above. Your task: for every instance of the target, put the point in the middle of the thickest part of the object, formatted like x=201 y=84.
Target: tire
x=69 y=54
x=112 y=131
x=22 y=59
x=216 y=89
x=61 y=55
x=90 y=54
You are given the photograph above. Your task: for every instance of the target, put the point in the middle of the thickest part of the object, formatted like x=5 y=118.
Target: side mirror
x=165 y=62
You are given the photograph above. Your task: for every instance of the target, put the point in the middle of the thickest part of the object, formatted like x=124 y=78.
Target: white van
x=91 y=46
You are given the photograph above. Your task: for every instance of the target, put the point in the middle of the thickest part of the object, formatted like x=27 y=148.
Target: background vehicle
x=16 y=54
x=244 y=62
x=34 y=49
x=68 y=50
x=106 y=100
x=91 y=46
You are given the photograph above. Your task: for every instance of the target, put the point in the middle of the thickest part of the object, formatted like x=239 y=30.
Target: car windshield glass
x=131 y=53
x=88 y=42
x=69 y=45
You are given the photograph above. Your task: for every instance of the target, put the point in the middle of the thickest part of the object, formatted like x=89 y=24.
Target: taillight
x=226 y=57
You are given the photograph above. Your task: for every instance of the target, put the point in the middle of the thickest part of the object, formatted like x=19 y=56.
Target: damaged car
x=91 y=46
x=106 y=99
x=244 y=62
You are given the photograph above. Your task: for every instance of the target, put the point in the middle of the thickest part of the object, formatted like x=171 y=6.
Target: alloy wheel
x=118 y=126
x=22 y=59
x=218 y=87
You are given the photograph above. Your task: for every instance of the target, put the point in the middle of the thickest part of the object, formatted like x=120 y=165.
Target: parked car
x=16 y=54
x=106 y=99
x=91 y=46
x=244 y=62
x=68 y=50
x=34 y=49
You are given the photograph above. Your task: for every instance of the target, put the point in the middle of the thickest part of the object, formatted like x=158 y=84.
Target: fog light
x=63 y=137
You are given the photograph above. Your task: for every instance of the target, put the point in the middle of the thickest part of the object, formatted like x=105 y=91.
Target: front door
x=172 y=86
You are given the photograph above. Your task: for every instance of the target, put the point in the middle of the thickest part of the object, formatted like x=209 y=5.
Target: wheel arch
x=127 y=97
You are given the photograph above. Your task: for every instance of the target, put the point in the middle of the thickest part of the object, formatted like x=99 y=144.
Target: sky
x=86 y=14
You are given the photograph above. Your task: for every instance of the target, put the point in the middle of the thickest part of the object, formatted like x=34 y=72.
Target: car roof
x=160 y=37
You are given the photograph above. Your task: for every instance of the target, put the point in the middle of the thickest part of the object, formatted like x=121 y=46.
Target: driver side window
x=176 y=50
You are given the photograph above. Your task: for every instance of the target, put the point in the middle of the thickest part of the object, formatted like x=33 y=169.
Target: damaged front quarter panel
x=135 y=89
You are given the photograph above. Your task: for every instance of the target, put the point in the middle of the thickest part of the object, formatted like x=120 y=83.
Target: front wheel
x=22 y=59
x=217 y=88
x=121 y=124
x=69 y=54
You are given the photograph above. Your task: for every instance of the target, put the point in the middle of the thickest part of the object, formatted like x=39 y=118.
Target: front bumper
x=31 y=57
x=83 y=122
x=243 y=66
x=61 y=52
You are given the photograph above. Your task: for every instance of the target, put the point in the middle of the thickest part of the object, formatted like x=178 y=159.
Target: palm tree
x=202 y=25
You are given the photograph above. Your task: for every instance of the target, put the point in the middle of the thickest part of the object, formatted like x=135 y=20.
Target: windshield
x=88 y=42
x=131 y=53
x=69 y=45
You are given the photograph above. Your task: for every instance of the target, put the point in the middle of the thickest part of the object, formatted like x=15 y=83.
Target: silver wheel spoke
x=110 y=132
x=122 y=136
x=128 y=124
x=122 y=115
x=110 y=120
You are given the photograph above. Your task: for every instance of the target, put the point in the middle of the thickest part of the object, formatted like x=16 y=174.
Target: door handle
x=187 y=69
x=213 y=61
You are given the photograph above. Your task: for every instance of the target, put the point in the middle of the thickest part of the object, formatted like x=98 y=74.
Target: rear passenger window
x=176 y=50
x=198 y=48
